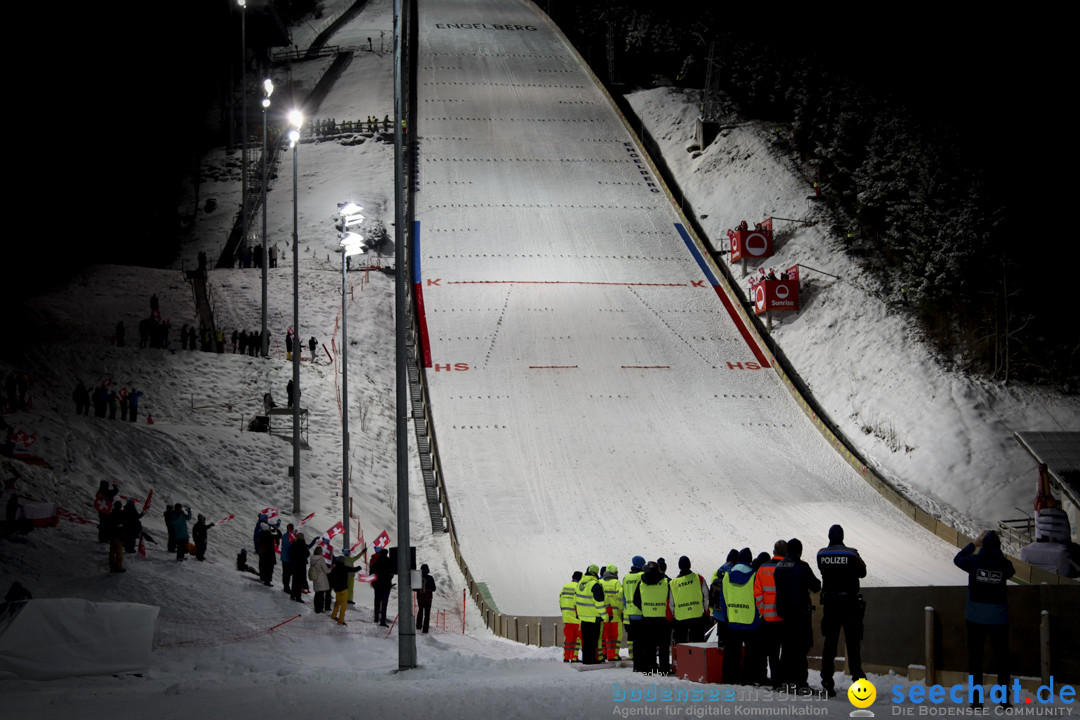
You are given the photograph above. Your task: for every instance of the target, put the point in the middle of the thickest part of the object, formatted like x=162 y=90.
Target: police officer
x=592 y=611
x=571 y=623
x=843 y=607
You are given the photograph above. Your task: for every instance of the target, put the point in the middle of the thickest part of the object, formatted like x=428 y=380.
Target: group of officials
x=761 y=608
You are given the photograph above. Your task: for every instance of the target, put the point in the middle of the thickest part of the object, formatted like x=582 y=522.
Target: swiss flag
x=383 y=541
x=101 y=504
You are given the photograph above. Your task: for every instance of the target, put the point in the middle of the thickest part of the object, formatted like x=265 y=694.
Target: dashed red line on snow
x=553 y=367
x=646 y=367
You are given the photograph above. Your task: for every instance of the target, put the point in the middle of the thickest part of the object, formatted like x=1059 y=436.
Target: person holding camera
x=987 y=611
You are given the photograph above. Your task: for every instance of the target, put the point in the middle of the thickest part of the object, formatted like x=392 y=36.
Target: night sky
x=101 y=173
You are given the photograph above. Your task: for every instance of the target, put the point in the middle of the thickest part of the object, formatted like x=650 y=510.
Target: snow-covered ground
x=943 y=435
x=214 y=652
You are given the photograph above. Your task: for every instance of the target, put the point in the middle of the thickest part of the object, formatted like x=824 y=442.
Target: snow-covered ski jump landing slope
x=593 y=396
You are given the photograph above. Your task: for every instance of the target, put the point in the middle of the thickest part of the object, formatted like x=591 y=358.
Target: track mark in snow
x=673 y=331
x=498 y=326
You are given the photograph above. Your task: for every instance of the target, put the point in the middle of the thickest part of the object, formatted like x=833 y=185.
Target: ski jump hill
x=596 y=392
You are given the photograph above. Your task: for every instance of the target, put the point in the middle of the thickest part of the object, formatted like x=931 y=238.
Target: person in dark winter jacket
x=81 y=396
x=739 y=611
x=424 y=595
x=312 y=344
x=795 y=580
x=167 y=516
x=987 y=611
x=843 y=608
x=180 y=518
x=264 y=546
x=133 y=404
x=132 y=526
x=199 y=537
x=287 y=539
x=115 y=529
x=103 y=503
x=384 y=580
x=339 y=583
x=298 y=562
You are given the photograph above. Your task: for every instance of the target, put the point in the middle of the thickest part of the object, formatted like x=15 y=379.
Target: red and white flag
x=101 y=504
x=356 y=545
x=304 y=521
x=23 y=440
x=222 y=522
x=270 y=513
x=142 y=548
x=383 y=541
x=334 y=531
x=364 y=577
x=149 y=497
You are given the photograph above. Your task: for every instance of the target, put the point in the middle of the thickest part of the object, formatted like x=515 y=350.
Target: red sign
x=776 y=295
x=750 y=243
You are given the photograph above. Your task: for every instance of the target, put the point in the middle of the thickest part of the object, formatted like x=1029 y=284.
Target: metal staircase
x=425 y=440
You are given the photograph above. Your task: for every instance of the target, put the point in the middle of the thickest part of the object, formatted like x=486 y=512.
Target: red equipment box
x=699 y=662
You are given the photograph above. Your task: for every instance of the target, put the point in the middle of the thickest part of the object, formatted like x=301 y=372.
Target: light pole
x=243 y=120
x=296 y=119
x=268 y=90
x=351 y=244
x=406 y=630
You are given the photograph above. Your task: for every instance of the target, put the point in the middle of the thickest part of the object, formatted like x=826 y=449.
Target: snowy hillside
x=944 y=435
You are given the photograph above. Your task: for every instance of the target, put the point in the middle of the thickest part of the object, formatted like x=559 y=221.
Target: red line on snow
x=646 y=367
x=553 y=367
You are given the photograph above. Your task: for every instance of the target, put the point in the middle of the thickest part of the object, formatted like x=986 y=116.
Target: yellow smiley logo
x=862 y=693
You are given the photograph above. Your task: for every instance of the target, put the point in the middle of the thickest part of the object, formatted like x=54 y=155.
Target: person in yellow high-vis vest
x=653 y=596
x=592 y=610
x=743 y=621
x=613 y=596
x=631 y=612
x=571 y=623
x=690 y=603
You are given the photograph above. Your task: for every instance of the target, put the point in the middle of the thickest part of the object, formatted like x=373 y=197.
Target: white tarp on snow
x=68 y=637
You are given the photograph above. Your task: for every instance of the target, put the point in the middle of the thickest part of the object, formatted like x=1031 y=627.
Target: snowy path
x=593 y=397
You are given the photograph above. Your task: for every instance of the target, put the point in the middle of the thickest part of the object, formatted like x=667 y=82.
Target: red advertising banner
x=747 y=243
x=776 y=295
